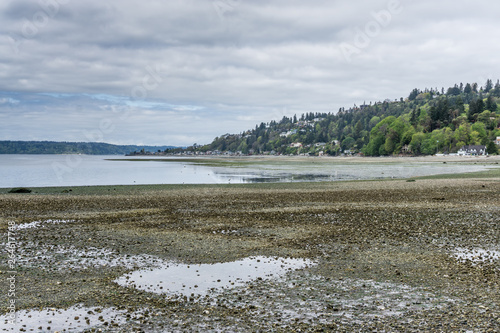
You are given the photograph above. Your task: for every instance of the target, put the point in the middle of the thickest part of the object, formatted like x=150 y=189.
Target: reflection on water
x=74 y=319
x=321 y=172
x=288 y=177
x=185 y=279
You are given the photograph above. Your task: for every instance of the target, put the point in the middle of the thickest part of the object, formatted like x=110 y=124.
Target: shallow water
x=82 y=170
x=477 y=255
x=175 y=279
x=38 y=224
x=74 y=319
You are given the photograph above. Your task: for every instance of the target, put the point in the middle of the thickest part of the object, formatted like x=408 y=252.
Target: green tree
x=488 y=86
x=448 y=139
x=416 y=142
x=413 y=95
x=482 y=134
x=414 y=116
x=348 y=143
x=407 y=136
x=243 y=147
x=491 y=105
x=468 y=89
x=462 y=134
x=491 y=148
x=475 y=107
x=374 y=121
x=428 y=147
x=378 y=137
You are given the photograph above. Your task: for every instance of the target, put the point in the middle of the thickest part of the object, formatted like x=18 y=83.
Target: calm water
x=81 y=170
x=75 y=170
x=175 y=278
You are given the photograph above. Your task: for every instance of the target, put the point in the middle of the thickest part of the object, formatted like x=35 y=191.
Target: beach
x=407 y=255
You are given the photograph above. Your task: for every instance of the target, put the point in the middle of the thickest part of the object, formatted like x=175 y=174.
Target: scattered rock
x=20 y=190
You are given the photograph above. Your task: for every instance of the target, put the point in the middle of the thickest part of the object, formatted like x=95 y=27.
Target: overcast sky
x=179 y=72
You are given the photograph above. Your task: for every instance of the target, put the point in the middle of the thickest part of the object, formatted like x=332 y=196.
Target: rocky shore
x=387 y=256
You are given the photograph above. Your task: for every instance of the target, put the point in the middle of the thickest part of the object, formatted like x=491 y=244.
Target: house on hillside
x=472 y=150
x=296 y=145
x=285 y=134
x=405 y=149
x=497 y=141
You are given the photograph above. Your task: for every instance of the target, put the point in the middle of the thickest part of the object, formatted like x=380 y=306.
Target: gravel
x=389 y=256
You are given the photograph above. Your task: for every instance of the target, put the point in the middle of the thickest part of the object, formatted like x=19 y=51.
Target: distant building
x=405 y=149
x=497 y=141
x=296 y=145
x=472 y=150
x=285 y=134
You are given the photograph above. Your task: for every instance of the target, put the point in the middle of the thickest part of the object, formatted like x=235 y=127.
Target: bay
x=83 y=170
x=86 y=170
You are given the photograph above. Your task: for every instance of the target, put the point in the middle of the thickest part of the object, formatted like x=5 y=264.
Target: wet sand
x=399 y=256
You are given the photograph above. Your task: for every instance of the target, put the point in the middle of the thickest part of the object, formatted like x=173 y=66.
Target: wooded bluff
x=426 y=122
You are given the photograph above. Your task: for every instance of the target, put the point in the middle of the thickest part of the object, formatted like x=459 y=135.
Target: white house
x=472 y=150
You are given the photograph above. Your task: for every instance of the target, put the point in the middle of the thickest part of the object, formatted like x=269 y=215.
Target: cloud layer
x=184 y=71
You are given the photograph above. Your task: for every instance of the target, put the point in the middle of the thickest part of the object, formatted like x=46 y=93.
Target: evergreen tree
x=491 y=148
x=490 y=104
x=488 y=86
x=414 y=116
x=480 y=104
x=413 y=95
x=460 y=104
x=467 y=89
x=496 y=90
x=472 y=110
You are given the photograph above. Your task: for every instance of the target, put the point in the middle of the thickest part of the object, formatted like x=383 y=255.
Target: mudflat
x=398 y=256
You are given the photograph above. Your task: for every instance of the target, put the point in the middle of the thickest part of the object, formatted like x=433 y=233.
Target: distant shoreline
x=368 y=159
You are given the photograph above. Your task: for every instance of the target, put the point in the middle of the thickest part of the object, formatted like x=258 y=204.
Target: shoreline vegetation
x=58 y=148
x=461 y=118
x=406 y=255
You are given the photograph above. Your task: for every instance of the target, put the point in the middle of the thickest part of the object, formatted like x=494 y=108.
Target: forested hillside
x=89 y=148
x=426 y=122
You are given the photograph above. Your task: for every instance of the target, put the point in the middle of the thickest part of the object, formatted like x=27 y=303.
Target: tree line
x=87 y=148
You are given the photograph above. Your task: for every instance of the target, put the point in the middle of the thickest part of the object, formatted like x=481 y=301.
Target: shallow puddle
x=477 y=255
x=200 y=279
x=38 y=224
x=73 y=319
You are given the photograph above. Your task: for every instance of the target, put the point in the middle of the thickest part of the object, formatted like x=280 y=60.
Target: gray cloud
x=211 y=67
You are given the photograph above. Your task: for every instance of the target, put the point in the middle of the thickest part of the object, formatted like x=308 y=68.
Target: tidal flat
x=392 y=255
